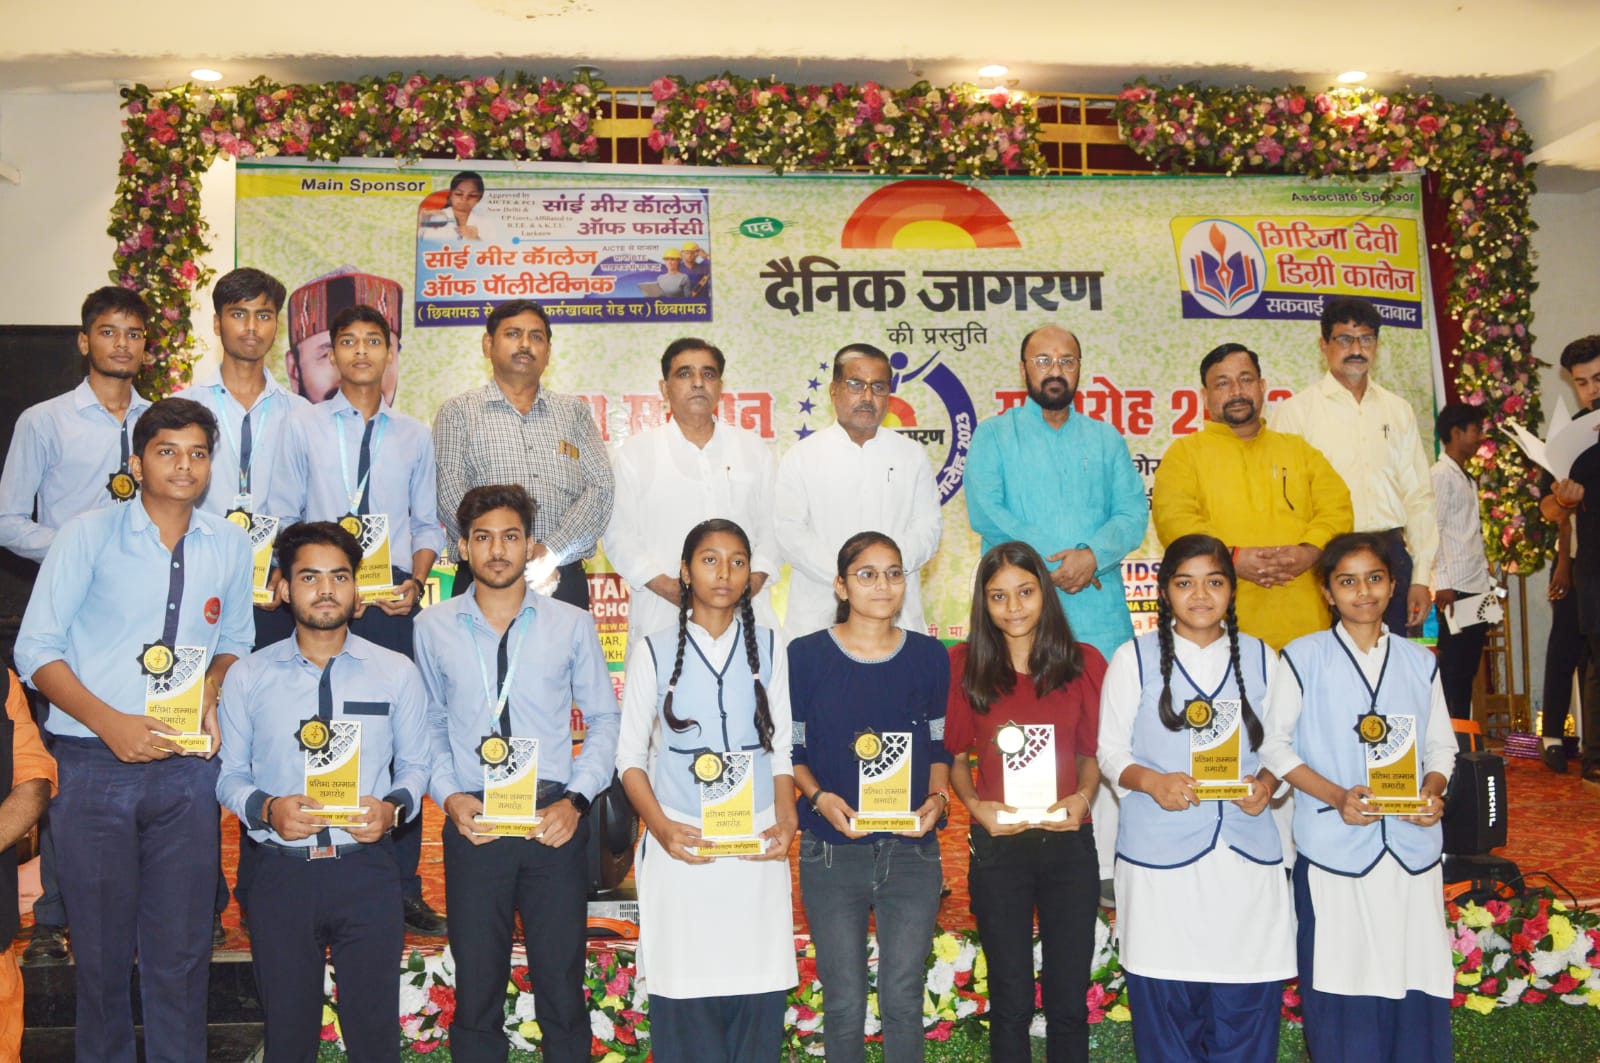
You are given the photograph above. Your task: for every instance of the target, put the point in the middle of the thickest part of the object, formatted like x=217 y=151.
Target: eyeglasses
x=868 y=577
x=1367 y=341
x=1068 y=362
x=857 y=387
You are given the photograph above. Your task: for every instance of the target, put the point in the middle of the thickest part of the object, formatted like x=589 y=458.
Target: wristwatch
x=579 y=802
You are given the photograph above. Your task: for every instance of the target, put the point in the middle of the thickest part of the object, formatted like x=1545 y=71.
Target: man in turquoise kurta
x=1064 y=484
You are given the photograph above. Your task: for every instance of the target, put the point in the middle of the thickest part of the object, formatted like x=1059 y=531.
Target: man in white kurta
x=688 y=470
x=853 y=477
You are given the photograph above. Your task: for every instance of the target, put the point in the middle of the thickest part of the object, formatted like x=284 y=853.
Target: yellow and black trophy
x=333 y=770
x=1214 y=749
x=727 y=804
x=375 y=575
x=510 y=786
x=263 y=532
x=883 y=773
x=1392 y=770
x=174 y=687
x=1028 y=770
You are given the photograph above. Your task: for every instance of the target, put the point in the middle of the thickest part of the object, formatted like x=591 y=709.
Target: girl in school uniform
x=1020 y=669
x=716 y=946
x=855 y=687
x=1204 y=915
x=1374 y=954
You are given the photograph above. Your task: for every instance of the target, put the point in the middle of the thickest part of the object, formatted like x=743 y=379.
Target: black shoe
x=1554 y=755
x=421 y=919
x=219 y=936
x=47 y=944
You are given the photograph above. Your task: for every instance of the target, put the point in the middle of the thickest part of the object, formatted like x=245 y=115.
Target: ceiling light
x=993 y=70
x=204 y=74
x=1352 y=77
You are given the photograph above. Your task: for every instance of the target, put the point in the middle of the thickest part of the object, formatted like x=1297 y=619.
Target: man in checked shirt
x=514 y=431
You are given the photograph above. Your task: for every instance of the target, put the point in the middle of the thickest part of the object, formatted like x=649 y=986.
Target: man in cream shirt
x=673 y=477
x=1369 y=435
x=852 y=477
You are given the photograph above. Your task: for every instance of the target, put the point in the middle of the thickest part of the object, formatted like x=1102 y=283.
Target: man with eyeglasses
x=851 y=477
x=1369 y=435
x=1273 y=498
x=678 y=474
x=1063 y=483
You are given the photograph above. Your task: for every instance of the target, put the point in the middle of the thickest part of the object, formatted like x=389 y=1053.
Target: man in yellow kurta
x=1272 y=497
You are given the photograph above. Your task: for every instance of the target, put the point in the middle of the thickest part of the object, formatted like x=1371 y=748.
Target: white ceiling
x=1544 y=55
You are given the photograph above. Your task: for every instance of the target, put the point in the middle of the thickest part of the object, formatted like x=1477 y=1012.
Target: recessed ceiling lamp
x=206 y=74
x=993 y=70
x=1352 y=77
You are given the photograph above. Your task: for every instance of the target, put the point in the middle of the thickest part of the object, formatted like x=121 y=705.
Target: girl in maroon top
x=1021 y=668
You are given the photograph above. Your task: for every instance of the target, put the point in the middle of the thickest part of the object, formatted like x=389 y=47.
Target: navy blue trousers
x=136 y=852
x=737 y=1029
x=1204 y=1022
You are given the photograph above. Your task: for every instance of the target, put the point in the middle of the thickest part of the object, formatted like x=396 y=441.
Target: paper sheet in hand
x=1482 y=608
x=1567 y=439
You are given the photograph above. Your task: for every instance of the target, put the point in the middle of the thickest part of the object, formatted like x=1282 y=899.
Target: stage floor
x=1554 y=827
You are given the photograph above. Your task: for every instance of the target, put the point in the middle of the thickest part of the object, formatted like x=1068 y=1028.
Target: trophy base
x=1221 y=791
x=503 y=828
x=1031 y=815
x=261 y=596
x=195 y=743
x=717 y=848
x=890 y=823
x=339 y=817
x=1396 y=806
x=377 y=594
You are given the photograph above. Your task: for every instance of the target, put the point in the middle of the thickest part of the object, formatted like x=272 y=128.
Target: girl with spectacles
x=868 y=703
x=1021 y=685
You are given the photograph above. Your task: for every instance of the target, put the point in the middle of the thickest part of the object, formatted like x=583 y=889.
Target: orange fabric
x=10 y=1009
x=28 y=757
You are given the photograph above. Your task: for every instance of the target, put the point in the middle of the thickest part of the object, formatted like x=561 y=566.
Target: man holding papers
x=1461 y=576
x=316 y=727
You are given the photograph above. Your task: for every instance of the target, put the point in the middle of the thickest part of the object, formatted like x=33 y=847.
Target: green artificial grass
x=1541 y=1033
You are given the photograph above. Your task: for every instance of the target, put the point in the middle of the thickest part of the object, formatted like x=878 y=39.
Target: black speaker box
x=1475 y=805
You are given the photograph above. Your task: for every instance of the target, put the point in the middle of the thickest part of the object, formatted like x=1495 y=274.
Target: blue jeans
x=898 y=881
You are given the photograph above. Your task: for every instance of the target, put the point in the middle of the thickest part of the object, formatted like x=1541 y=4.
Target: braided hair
x=1186 y=548
x=677 y=664
x=763 y=715
x=752 y=653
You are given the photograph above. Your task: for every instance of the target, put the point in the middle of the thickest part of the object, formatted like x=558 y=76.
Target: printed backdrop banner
x=1149 y=273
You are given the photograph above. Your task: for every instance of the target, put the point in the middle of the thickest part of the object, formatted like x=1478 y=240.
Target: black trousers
x=1010 y=877
x=1400 y=567
x=1567 y=651
x=303 y=910
x=1459 y=655
x=485 y=888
